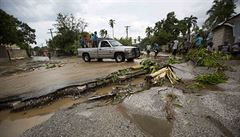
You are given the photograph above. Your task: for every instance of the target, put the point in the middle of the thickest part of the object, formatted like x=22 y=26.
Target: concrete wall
x=229 y=35
x=222 y=34
x=236 y=30
x=218 y=37
x=3 y=54
x=17 y=54
x=13 y=53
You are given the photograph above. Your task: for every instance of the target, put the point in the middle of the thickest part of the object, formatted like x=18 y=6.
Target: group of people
x=155 y=48
x=91 y=42
x=174 y=47
x=226 y=48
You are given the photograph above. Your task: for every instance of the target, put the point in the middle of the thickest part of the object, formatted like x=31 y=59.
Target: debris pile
x=165 y=72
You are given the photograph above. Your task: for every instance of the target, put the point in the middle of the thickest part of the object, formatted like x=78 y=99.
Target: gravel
x=204 y=114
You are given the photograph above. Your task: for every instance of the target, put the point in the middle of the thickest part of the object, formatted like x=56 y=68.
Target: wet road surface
x=44 y=81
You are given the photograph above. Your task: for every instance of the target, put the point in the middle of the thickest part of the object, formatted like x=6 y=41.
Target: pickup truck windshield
x=115 y=43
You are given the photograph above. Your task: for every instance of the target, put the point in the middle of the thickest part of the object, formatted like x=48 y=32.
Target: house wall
x=236 y=30
x=222 y=34
x=228 y=37
x=236 y=27
x=218 y=37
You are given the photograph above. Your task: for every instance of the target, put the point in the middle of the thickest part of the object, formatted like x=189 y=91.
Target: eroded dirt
x=44 y=81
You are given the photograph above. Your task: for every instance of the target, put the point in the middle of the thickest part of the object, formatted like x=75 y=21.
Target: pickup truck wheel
x=86 y=58
x=119 y=57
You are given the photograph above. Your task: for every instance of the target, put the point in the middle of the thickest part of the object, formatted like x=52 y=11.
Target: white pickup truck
x=109 y=48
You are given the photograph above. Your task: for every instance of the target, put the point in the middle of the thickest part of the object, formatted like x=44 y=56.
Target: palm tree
x=138 y=38
x=105 y=33
x=111 y=23
x=220 y=11
x=191 y=22
x=149 y=31
x=182 y=26
x=135 y=41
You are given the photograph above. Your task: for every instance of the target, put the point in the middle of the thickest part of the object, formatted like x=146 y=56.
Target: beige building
x=228 y=31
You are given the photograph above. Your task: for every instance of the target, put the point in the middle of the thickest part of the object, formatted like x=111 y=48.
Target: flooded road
x=42 y=81
x=14 y=124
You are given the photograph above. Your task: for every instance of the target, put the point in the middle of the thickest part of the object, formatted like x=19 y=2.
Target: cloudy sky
x=41 y=14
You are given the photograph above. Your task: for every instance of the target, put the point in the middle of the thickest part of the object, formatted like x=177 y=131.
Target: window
x=115 y=43
x=105 y=44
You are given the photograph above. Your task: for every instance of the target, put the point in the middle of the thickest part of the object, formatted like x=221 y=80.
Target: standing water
x=14 y=124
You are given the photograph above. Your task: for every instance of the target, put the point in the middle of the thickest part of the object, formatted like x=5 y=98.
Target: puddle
x=14 y=124
x=154 y=126
x=151 y=126
x=15 y=128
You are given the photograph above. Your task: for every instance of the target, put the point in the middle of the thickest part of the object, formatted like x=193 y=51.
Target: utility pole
x=127 y=30
x=51 y=32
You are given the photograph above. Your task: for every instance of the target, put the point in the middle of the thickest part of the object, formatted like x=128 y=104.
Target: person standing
x=156 y=49
x=81 y=42
x=198 y=41
x=148 y=50
x=210 y=47
x=225 y=48
x=186 y=46
x=95 y=38
x=175 y=47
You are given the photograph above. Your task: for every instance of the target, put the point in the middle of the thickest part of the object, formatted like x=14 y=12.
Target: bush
x=211 y=79
x=150 y=66
x=202 y=58
x=173 y=61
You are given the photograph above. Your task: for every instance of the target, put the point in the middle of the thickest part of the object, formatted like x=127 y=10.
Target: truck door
x=105 y=50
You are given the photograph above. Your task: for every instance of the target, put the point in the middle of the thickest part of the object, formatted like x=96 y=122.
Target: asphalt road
x=44 y=81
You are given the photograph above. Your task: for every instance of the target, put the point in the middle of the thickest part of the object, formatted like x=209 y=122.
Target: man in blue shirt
x=81 y=42
x=198 y=41
x=95 y=39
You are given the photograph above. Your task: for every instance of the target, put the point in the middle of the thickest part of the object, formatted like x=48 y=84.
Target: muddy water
x=14 y=124
x=154 y=126
x=151 y=126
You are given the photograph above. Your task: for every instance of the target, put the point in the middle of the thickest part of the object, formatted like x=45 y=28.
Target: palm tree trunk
x=113 y=32
x=189 y=34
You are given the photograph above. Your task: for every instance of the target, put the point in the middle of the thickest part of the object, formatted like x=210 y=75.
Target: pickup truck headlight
x=128 y=50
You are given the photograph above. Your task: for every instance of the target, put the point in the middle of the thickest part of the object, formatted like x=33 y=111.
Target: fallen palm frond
x=202 y=58
x=211 y=79
x=165 y=72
